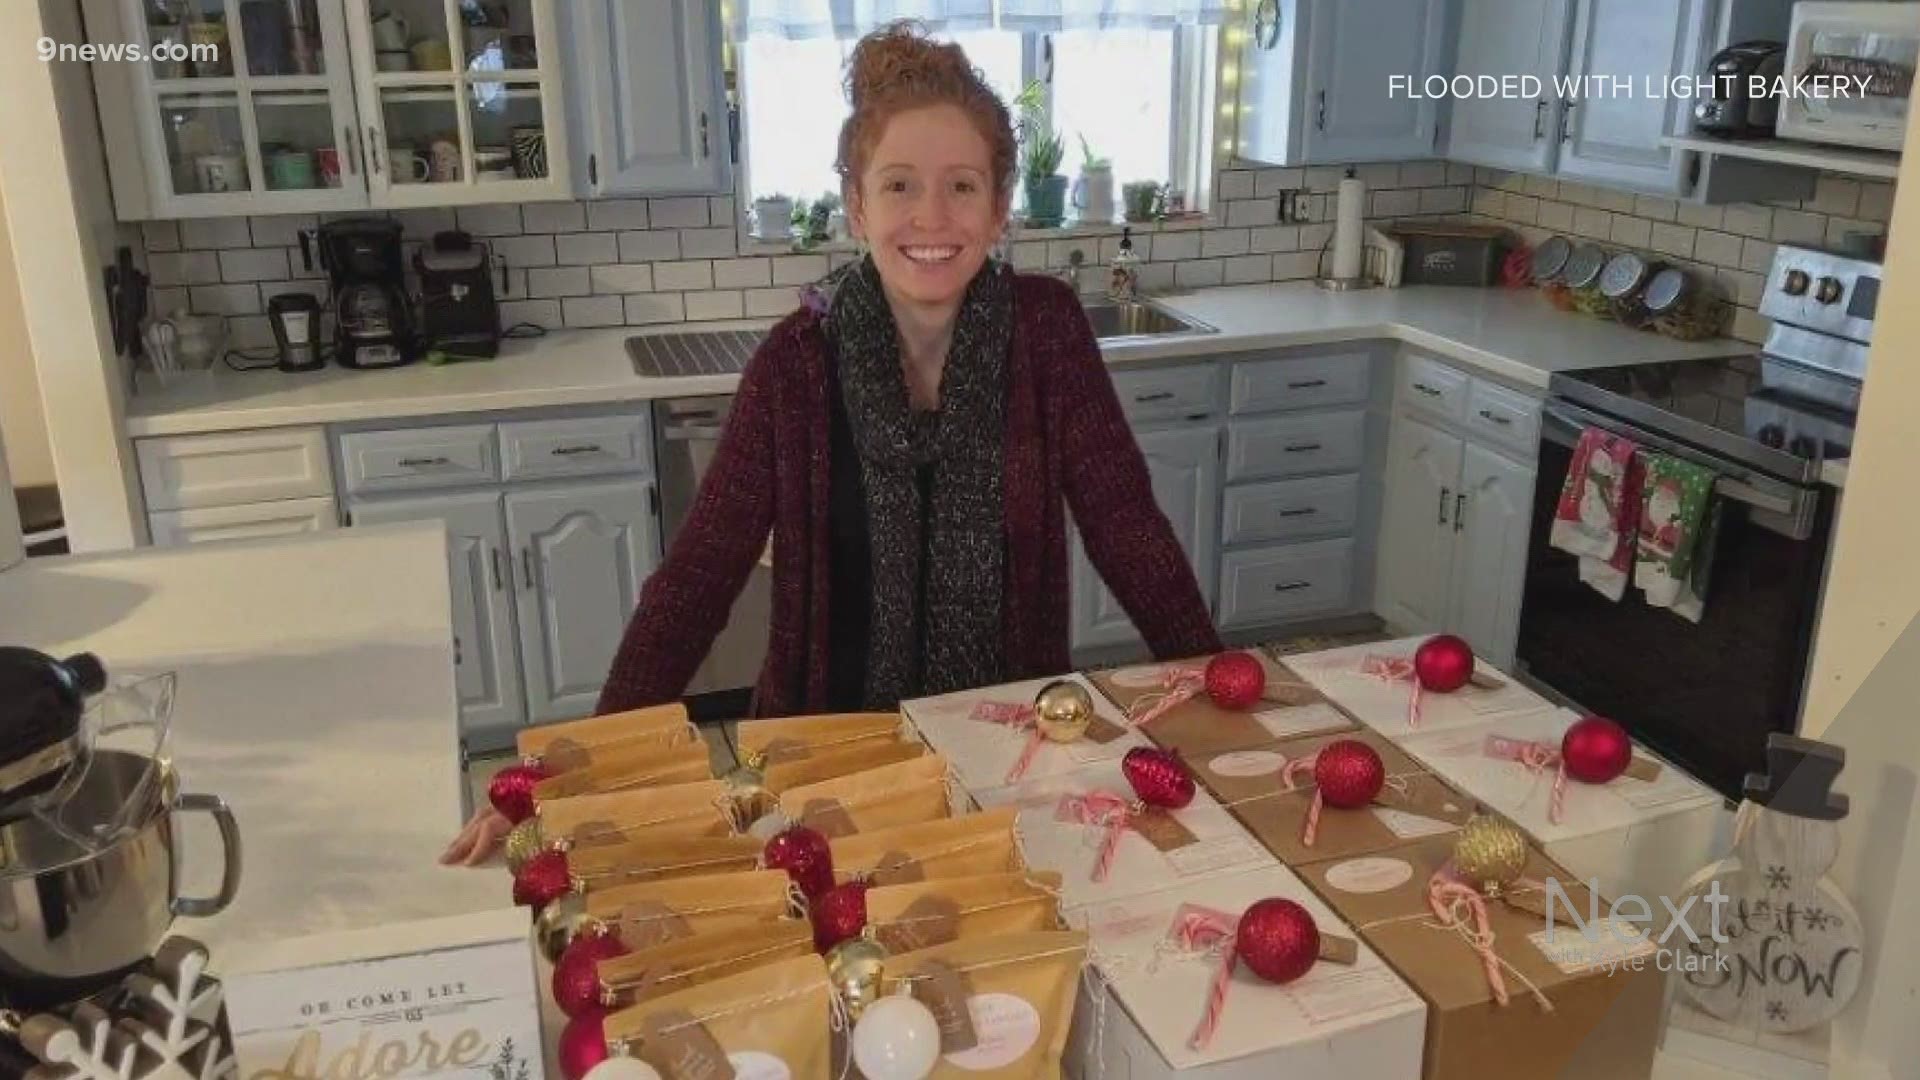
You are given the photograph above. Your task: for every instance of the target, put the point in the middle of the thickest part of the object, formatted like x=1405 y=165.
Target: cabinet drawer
x=1291 y=509
x=289 y=517
x=579 y=446
x=1304 y=383
x=418 y=458
x=1504 y=417
x=233 y=468
x=1178 y=393
x=1433 y=387
x=1281 y=584
x=1295 y=445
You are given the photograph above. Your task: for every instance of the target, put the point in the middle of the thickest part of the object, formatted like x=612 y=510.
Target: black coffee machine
x=372 y=318
x=459 y=315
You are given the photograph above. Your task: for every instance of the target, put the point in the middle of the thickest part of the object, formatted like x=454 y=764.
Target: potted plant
x=772 y=216
x=1093 y=191
x=1041 y=151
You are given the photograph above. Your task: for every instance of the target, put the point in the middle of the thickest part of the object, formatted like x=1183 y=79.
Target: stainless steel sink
x=1117 y=320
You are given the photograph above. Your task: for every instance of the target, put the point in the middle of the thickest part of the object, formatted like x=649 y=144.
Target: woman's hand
x=478 y=840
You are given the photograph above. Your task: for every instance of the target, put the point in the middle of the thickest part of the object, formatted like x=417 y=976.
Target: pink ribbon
x=1289 y=777
x=1107 y=811
x=1018 y=716
x=1178 y=685
x=1461 y=908
x=1397 y=669
x=1203 y=929
x=1537 y=758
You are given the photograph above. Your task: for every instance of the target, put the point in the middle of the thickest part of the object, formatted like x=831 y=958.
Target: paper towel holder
x=1351 y=215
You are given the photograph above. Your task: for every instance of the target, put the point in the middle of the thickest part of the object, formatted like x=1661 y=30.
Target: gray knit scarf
x=943 y=551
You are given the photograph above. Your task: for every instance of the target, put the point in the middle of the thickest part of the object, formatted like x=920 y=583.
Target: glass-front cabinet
x=276 y=106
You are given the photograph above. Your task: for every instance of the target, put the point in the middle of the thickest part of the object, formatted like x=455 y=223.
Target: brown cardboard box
x=1417 y=806
x=1200 y=729
x=1603 y=1024
x=1238 y=775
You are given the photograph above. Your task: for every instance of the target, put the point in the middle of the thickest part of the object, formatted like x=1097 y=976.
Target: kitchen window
x=1139 y=96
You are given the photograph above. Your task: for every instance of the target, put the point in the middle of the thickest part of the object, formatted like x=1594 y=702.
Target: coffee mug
x=216 y=173
x=389 y=31
x=290 y=170
x=327 y=161
x=430 y=54
x=491 y=163
x=409 y=166
x=530 y=152
x=393 y=60
x=444 y=158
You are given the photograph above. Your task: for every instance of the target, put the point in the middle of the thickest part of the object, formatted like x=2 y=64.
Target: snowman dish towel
x=1599 y=506
x=1677 y=522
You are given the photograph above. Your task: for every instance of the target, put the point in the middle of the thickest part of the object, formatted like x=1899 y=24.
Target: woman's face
x=925 y=204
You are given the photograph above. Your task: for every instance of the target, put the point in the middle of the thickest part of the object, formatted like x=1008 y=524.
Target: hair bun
x=899 y=56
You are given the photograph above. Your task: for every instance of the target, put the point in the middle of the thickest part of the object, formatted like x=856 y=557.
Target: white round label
x=1008 y=1026
x=1243 y=764
x=1370 y=875
x=754 y=1065
x=1144 y=677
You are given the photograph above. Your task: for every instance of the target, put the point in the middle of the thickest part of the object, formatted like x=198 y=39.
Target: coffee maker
x=459 y=315
x=372 y=318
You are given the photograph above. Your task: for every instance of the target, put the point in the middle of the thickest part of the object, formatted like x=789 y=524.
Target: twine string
x=1178 y=685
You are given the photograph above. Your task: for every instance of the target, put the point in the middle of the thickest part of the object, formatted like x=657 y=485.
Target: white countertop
x=1514 y=337
x=315 y=695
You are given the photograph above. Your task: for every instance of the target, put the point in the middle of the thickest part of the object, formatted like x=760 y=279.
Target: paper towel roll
x=1349 y=229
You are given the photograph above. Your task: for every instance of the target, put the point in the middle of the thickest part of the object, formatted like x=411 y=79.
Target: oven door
x=1706 y=695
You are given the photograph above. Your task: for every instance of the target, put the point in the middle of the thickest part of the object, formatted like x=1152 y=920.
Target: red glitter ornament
x=583 y=1043
x=1158 y=777
x=1596 y=750
x=1235 y=680
x=542 y=880
x=1349 y=773
x=576 y=975
x=1443 y=663
x=1277 y=940
x=806 y=857
x=511 y=790
x=838 y=914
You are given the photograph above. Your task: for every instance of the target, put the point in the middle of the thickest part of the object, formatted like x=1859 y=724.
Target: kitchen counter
x=1513 y=337
x=315 y=695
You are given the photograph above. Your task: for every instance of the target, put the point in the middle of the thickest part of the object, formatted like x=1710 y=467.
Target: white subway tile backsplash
x=1253 y=212
x=559 y=281
x=646 y=309
x=1296 y=266
x=1325 y=178
x=1836 y=195
x=1656 y=209
x=1216 y=243
x=799 y=269
x=1489 y=201
x=1747 y=219
x=1630 y=231
x=1156 y=277
x=1445 y=200
x=605 y=215
x=160 y=235
x=1030 y=255
x=1542 y=187
x=679 y=213
x=771 y=303
x=1876 y=201
x=1557 y=216
x=1172 y=247
x=538 y=312
x=1423 y=174
x=1717 y=248
x=232 y=232
x=1247 y=269
x=184 y=268
x=554 y=217
x=585 y=249
x=1613 y=202
x=501 y=219
x=594 y=311
x=1236 y=184
x=1591 y=223
x=1702 y=217
x=249 y=332
x=715 y=243
x=1672 y=240
x=742 y=273
x=1269 y=182
x=658 y=246
x=1840 y=231
x=253 y=264
x=622 y=278
x=1756 y=256
x=168 y=301
x=1315 y=237
x=1799 y=227
x=1391 y=204
x=1522 y=209
x=524 y=251
x=1199 y=273
x=1382 y=174
x=682 y=276
x=719 y=304
x=226 y=299
x=722 y=211
x=1274 y=238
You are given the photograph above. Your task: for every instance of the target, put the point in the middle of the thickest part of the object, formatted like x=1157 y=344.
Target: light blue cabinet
x=650 y=110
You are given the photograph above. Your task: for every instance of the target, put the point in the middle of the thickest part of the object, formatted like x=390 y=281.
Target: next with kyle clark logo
x=1620 y=940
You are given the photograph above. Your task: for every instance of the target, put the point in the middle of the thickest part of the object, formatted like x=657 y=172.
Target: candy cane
x=1198 y=929
x=1108 y=811
x=1537 y=758
x=1178 y=685
x=1288 y=775
x=1397 y=669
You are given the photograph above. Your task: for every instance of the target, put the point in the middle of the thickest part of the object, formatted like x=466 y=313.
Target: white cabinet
x=1318 y=80
x=247 y=107
x=1614 y=138
x=649 y=100
x=486 y=668
x=582 y=551
x=1416 y=542
x=1184 y=466
x=1492 y=521
x=247 y=521
x=1502 y=38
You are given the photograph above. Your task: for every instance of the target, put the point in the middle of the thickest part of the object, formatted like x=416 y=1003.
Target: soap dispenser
x=1123 y=280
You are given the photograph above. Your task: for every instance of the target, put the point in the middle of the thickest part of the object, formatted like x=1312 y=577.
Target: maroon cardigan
x=1066 y=436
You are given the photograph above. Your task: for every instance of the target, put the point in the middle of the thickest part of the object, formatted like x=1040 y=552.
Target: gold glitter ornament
x=854 y=968
x=1489 y=854
x=523 y=842
x=1062 y=710
x=558 y=922
x=747 y=793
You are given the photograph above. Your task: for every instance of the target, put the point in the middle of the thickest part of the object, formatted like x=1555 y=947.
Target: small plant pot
x=1046 y=201
x=772 y=219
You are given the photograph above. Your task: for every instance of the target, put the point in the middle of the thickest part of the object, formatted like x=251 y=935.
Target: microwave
x=1863 y=55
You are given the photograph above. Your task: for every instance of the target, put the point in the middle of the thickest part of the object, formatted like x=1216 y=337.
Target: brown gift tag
x=1102 y=730
x=944 y=992
x=646 y=923
x=923 y=914
x=1641 y=768
x=1162 y=829
x=1526 y=901
x=1483 y=681
x=1335 y=949
x=827 y=817
x=681 y=1048
x=581 y=736
x=971 y=844
x=930 y=920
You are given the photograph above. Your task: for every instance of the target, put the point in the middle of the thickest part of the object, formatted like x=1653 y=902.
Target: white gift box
x=1382 y=703
x=1640 y=837
x=1220 y=845
x=982 y=752
x=1333 y=1023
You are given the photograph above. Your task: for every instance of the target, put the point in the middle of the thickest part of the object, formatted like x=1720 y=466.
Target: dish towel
x=1677 y=522
x=1599 y=509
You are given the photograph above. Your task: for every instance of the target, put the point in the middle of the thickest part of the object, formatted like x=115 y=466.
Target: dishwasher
x=687 y=431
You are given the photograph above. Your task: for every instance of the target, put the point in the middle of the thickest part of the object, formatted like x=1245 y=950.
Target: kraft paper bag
x=927 y=913
x=1197 y=728
x=677 y=757
x=981 y=843
x=769 y=1021
x=1018 y=993
x=767 y=742
x=649 y=913
x=672 y=966
x=916 y=790
x=833 y=761
x=696 y=809
x=601 y=866
x=571 y=743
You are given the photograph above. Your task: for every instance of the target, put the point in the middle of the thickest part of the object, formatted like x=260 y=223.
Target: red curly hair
x=897 y=68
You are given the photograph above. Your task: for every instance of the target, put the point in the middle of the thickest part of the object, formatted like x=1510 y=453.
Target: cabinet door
x=1184 y=466
x=1510 y=38
x=1492 y=561
x=248 y=521
x=651 y=105
x=1613 y=137
x=1355 y=48
x=580 y=552
x=485 y=665
x=1416 y=530
x=458 y=112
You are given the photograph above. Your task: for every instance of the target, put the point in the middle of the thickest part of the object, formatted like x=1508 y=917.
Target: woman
x=907 y=437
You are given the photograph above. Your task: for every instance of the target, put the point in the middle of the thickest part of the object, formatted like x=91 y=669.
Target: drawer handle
x=1146 y=399
x=583 y=448
x=1304 y=448
x=1306 y=384
x=1290 y=586
x=1425 y=389
x=1503 y=421
x=1299 y=512
x=424 y=462
x=493 y=554
x=526 y=566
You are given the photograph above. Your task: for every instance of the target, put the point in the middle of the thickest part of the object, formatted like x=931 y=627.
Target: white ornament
x=621 y=1067
x=897 y=1038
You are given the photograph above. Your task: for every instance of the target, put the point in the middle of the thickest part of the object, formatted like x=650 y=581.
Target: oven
x=1705 y=695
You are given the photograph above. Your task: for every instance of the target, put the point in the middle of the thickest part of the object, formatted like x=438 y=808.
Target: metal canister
x=1624 y=283
x=1583 y=278
x=1683 y=306
x=1550 y=271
